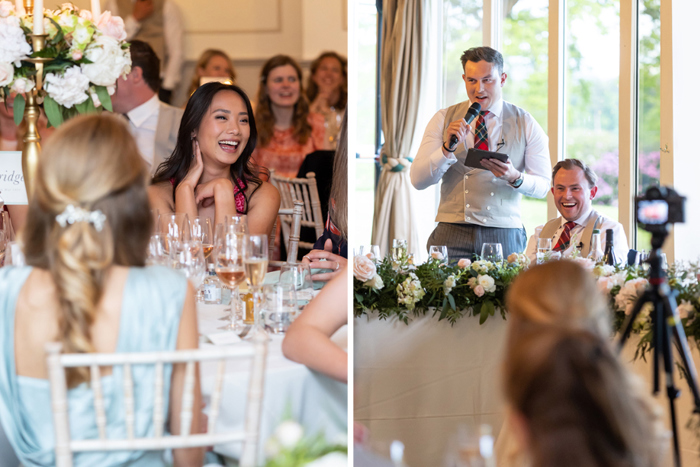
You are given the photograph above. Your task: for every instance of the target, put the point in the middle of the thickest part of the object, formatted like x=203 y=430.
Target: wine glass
x=188 y=258
x=157 y=253
x=202 y=231
x=228 y=265
x=399 y=249
x=299 y=276
x=171 y=228
x=492 y=252
x=255 y=257
x=279 y=306
x=544 y=246
x=439 y=252
x=238 y=222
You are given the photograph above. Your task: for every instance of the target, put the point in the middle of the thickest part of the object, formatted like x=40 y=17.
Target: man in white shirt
x=482 y=205
x=574 y=188
x=153 y=123
x=158 y=23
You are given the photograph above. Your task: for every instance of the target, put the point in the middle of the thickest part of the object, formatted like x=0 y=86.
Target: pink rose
x=86 y=14
x=464 y=263
x=479 y=291
x=111 y=26
x=77 y=54
x=363 y=268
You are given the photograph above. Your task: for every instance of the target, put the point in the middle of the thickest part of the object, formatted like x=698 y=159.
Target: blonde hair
x=263 y=109
x=92 y=162
x=559 y=293
x=204 y=61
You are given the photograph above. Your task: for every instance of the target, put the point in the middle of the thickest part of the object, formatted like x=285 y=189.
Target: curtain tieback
x=396 y=164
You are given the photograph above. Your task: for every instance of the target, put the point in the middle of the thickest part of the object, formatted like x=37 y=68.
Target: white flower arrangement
x=88 y=56
x=410 y=291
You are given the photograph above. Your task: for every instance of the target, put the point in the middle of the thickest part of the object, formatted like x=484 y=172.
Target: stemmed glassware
x=255 y=258
x=170 y=227
x=492 y=252
x=187 y=256
x=544 y=246
x=439 y=252
x=202 y=231
x=228 y=265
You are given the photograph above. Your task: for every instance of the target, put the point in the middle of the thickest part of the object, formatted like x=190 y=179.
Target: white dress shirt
x=430 y=164
x=620 y=245
x=143 y=123
x=173 y=32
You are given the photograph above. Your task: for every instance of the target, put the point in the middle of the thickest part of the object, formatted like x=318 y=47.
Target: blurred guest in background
x=213 y=63
x=287 y=131
x=158 y=23
x=210 y=173
x=327 y=90
x=153 y=123
x=86 y=286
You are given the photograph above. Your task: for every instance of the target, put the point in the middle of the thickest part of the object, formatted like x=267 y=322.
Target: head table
x=292 y=391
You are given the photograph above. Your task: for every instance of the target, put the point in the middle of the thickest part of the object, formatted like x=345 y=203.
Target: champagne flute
x=228 y=265
x=202 y=231
x=255 y=257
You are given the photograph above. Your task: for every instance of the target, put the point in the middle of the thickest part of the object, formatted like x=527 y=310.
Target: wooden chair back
x=249 y=436
x=292 y=246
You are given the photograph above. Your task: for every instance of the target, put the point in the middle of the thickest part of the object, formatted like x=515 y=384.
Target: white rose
x=6 y=8
x=7 y=72
x=376 y=282
x=22 y=85
x=450 y=281
x=108 y=61
x=479 y=291
x=14 y=44
x=69 y=89
x=363 y=268
x=487 y=283
x=464 y=263
x=289 y=433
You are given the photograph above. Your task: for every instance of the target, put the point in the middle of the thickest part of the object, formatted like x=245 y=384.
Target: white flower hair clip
x=73 y=214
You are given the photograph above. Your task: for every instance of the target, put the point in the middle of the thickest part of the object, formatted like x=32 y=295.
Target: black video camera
x=658 y=208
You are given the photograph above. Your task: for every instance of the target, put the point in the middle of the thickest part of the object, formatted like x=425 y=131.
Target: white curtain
x=401 y=72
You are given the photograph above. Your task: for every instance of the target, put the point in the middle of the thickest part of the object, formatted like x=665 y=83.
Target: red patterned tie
x=565 y=237
x=481 y=136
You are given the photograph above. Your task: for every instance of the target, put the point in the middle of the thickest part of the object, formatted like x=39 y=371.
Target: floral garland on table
x=287 y=447
x=395 y=288
x=88 y=56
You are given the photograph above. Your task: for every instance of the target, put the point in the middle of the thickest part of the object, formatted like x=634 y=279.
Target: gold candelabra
x=32 y=139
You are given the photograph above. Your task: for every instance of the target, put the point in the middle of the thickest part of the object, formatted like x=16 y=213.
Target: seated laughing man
x=574 y=187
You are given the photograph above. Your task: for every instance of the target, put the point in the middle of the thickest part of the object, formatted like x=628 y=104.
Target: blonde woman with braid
x=86 y=286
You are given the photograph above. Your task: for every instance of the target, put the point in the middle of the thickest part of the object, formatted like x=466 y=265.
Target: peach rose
x=363 y=268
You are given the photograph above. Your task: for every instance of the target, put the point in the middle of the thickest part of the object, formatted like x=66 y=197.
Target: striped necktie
x=565 y=237
x=481 y=136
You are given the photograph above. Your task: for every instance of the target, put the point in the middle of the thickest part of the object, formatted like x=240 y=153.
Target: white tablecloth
x=293 y=391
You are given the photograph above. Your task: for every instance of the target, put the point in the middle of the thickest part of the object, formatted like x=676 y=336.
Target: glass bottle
x=596 y=252
x=609 y=253
x=211 y=287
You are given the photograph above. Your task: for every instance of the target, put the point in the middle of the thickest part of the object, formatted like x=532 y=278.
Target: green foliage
x=19 y=106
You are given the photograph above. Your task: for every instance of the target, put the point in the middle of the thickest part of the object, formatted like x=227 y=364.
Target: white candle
x=19 y=9
x=38 y=16
x=95 y=10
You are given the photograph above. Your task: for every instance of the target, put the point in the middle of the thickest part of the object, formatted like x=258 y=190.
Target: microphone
x=471 y=114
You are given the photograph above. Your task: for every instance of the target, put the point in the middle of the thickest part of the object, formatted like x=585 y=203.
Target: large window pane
x=591 y=93
x=525 y=34
x=648 y=163
x=366 y=69
x=462 y=30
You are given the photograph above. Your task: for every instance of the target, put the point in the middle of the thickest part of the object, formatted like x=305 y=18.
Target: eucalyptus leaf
x=103 y=95
x=483 y=315
x=452 y=302
x=53 y=111
x=19 y=108
x=488 y=307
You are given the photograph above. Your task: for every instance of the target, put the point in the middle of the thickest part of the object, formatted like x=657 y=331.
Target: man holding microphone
x=482 y=205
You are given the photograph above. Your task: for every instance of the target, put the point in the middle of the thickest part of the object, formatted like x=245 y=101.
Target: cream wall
x=251 y=31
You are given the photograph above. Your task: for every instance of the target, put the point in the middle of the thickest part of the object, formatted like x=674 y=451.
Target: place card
x=224 y=338
x=12 y=190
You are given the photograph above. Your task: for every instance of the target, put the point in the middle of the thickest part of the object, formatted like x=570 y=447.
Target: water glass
x=439 y=252
x=399 y=248
x=255 y=257
x=299 y=276
x=544 y=246
x=157 y=253
x=188 y=258
x=492 y=252
x=279 y=307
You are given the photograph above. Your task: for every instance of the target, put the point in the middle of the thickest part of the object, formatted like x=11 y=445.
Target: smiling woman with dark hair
x=210 y=172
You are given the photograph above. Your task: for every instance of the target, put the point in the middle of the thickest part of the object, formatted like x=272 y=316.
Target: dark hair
x=312 y=87
x=477 y=54
x=263 y=110
x=178 y=164
x=578 y=402
x=570 y=164
x=338 y=203
x=91 y=162
x=143 y=56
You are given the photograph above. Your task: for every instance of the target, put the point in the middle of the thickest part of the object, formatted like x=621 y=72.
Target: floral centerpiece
x=450 y=291
x=87 y=55
x=287 y=447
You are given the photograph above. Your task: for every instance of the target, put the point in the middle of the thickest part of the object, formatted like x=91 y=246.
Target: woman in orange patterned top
x=287 y=131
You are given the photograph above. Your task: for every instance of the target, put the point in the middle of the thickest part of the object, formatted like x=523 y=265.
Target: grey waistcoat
x=470 y=196
x=593 y=221
x=151 y=30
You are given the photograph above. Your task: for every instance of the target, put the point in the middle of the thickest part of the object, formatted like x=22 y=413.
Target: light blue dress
x=150 y=318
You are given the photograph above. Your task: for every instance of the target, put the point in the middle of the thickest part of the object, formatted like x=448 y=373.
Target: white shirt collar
x=580 y=219
x=497 y=108
x=140 y=114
